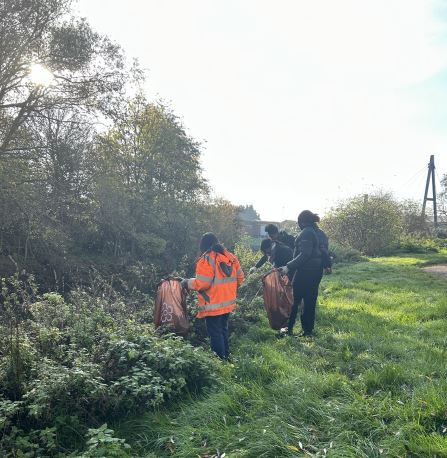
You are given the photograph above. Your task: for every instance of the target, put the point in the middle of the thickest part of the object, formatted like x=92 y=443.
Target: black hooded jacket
x=281 y=255
x=307 y=254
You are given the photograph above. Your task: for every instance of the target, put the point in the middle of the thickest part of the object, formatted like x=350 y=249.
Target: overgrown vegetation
x=378 y=224
x=102 y=194
x=67 y=366
x=70 y=365
x=370 y=384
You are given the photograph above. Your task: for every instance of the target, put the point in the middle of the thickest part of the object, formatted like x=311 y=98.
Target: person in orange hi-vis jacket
x=218 y=276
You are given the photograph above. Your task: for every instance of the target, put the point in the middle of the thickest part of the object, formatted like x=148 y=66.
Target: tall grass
x=372 y=383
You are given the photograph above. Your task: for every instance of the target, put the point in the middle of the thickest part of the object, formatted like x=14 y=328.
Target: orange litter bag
x=170 y=306
x=278 y=298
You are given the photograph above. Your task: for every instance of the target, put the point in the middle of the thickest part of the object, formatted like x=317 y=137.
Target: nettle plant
x=101 y=442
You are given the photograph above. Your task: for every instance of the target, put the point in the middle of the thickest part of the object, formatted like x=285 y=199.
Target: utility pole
x=431 y=177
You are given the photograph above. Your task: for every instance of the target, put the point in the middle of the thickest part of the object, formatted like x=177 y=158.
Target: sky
x=299 y=104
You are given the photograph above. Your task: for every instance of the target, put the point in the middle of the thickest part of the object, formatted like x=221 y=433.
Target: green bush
x=66 y=366
x=370 y=224
x=147 y=371
x=418 y=244
x=344 y=254
x=60 y=390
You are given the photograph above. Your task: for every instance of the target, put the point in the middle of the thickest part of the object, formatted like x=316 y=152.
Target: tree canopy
x=92 y=174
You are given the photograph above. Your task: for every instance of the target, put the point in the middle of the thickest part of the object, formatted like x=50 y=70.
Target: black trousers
x=305 y=288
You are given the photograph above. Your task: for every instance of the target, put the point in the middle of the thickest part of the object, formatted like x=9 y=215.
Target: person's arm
x=204 y=276
x=325 y=257
x=261 y=262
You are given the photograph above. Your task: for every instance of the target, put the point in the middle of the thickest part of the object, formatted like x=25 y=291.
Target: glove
x=184 y=283
x=284 y=270
x=252 y=269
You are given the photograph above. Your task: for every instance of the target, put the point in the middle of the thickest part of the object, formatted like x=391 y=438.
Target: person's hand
x=184 y=283
x=284 y=270
x=252 y=269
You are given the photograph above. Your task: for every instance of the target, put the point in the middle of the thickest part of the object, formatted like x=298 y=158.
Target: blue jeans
x=217 y=327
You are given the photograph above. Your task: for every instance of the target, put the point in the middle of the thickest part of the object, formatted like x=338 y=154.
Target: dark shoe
x=305 y=334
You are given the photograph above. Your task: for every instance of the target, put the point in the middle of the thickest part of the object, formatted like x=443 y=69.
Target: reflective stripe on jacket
x=217 y=279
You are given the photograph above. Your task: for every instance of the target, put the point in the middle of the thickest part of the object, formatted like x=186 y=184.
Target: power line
x=412 y=178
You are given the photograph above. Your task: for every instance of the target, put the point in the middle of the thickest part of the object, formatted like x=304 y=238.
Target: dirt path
x=439 y=269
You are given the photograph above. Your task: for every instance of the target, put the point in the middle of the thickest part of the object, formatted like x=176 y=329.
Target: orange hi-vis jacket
x=217 y=279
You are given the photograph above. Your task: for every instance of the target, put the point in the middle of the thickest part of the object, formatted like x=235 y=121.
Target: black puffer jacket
x=281 y=255
x=307 y=254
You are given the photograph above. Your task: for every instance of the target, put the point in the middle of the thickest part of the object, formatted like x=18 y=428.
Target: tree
x=248 y=213
x=46 y=130
x=47 y=197
x=129 y=201
x=40 y=40
x=222 y=218
x=368 y=223
x=149 y=184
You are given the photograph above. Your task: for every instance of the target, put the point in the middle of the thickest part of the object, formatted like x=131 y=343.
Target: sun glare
x=40 y=75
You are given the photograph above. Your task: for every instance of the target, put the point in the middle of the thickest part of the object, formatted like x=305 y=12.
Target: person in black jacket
x=275 y=235
x=277 y=253
x=308 y=266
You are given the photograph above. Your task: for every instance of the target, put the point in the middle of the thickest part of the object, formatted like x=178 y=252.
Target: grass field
x=371 y=383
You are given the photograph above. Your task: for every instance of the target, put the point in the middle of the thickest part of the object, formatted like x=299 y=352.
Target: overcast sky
x=298 y=103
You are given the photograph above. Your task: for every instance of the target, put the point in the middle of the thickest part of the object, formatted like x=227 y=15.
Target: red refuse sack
x=170 y=306
x=278 y=298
